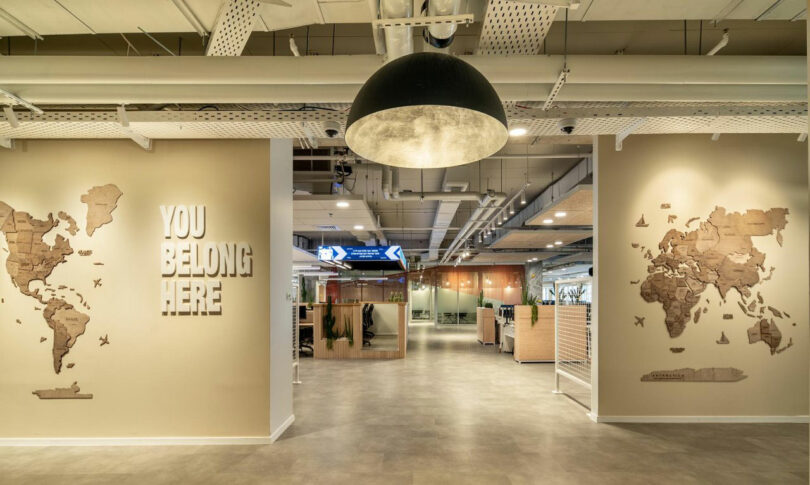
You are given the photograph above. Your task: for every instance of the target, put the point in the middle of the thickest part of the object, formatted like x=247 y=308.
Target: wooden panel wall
x=341 y=348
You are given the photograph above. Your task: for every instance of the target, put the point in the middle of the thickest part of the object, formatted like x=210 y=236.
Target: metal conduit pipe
x=483 y=212
x=331 y=70
x=399 y=39
x=440 y=36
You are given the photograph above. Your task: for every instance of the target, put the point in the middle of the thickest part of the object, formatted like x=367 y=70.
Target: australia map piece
x=764 y=331
x=719 y=252
x=639 y=321
x=67 y=324
x=71 y=392
x=789 y=345
x=706 y=374
x=723 y=339
x=676 y=350
x=101 y=202
x=691 y=220
x=73 y=229
x=641 y=222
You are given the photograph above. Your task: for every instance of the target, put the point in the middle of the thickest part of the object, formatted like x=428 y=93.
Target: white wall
x=386 y=319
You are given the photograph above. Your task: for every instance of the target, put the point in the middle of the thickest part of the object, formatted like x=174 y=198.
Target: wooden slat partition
x=534 y=343
x=341 y=348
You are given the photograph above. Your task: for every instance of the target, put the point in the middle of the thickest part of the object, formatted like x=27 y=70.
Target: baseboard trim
x=281 y=429
x=702 y=419
x=159 y=441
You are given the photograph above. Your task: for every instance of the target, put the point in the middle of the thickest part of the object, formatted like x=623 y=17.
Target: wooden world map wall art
x=30 y=259
x=719 y=251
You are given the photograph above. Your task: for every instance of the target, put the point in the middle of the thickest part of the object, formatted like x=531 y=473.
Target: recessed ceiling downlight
x=426 y=110
x=342 y=204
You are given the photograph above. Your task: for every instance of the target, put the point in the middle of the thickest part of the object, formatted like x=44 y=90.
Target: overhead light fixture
x=534 y=259
x=426 y=110
x=511 y=208
x=529 y=260
x=560 y=214
x=359 y=227
x=549 y=245
x=558 y=243
x=519 y=131
x=499 y=219
x=342 y=204
x=548 y=221
x=522 y=197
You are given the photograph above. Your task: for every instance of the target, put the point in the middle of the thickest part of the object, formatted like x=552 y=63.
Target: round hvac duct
x=426 y=110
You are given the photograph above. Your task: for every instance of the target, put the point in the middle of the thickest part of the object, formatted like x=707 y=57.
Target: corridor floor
x=452 y=412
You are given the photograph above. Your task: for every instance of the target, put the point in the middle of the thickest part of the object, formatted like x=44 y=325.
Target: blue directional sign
x=361 y=254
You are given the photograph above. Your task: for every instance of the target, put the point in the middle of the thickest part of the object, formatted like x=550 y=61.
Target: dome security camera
x=567 y=125
x=332 y=128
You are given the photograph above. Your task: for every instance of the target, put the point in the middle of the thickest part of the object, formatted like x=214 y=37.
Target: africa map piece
x=639 y=321
x=666 y=205
x=723 y=339
x=71 y=392
x=676 y=350
x=641 y=222
x=73 y=229
x=719 y=252
x=671 y=218
x=67 y=324
x=697 y=315
x=691 y=220
x=101 y=202
x=706 y=374
x=767 y=332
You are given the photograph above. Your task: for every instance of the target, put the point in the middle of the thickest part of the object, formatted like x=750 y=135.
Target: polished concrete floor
x=452 y=412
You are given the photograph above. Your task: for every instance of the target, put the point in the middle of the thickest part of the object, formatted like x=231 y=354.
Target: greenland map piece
x=71 y=392
x=706 y=374
x=719 y=252
x=641 y=222
x=723 y=339
x=73 y=229
x=101 y=202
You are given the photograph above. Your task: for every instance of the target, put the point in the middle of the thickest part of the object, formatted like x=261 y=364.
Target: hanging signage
x=360 y=253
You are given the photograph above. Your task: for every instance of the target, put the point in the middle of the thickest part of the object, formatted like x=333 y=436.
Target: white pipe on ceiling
x=399 y=39
x=330 y=70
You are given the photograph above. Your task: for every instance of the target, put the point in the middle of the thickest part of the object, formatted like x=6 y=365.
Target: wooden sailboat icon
x=641 y=222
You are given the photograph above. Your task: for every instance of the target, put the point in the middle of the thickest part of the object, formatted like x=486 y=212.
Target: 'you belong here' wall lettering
x=192 y=270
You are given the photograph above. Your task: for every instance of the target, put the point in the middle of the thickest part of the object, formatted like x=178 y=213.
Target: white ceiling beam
x=7 y=143
x=555 y=90
x=11 y=117
x=20 y=101
x=123 y=120
x=233 y=28
x=764 y=15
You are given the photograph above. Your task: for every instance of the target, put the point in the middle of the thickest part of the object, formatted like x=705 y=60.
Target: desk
x=351 y=314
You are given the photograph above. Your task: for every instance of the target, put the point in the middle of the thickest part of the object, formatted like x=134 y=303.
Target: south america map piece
x=71 y=392
x=104 y=341
x=639 y=321
x=671 y=218
x=706 y=374
x=101 y=202
x=641 y=222
x=693 y=219
x=68 y=324
x=676 y=350
x=73 y=229
x=666 y=205
x=764 y=331
x=723 y=339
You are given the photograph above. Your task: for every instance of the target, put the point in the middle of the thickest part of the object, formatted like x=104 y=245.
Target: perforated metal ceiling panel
x=514 y=27
x=233 y=28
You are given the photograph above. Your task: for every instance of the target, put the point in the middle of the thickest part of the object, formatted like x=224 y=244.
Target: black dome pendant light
x=426 y=110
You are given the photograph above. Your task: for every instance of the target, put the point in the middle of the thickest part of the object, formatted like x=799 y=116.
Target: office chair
x=368 y=322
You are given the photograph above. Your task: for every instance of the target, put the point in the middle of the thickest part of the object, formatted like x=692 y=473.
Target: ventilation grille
x=514 y=28
x=233 y=28
x=327 y=228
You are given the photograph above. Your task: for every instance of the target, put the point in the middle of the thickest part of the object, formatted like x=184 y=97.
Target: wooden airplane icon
x=97 y=283
x=104 y=341
x=639 y=321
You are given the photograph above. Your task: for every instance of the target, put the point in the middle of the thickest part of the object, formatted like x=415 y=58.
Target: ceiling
x=518 y=46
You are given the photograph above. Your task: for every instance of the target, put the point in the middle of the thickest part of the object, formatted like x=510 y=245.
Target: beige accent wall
x=695 y=174
x=160 y=376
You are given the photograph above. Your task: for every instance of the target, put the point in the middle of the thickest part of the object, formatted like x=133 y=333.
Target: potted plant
x=328 y=325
